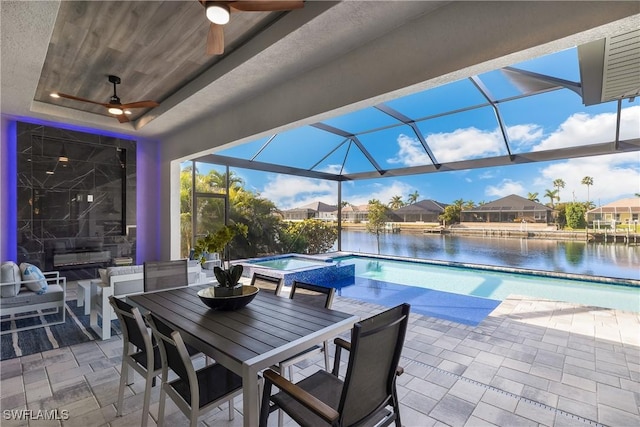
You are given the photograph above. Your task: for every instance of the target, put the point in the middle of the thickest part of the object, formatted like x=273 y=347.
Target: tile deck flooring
x=531 y=362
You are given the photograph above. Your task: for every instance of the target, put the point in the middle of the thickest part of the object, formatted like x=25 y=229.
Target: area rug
x=74 y=330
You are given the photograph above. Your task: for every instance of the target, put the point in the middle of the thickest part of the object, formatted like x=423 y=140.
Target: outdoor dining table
x=268 y=330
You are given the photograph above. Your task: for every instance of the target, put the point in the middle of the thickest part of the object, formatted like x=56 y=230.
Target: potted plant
x=214 y=242
x=228 y=281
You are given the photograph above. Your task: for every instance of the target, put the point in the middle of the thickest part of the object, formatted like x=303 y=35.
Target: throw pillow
x=33 y=278
x=10 y=273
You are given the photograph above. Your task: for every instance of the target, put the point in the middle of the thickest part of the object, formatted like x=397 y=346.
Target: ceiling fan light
x=115 y=111
x=63 y=155
x=54 y=95
x=218 y=13
x=127 y=112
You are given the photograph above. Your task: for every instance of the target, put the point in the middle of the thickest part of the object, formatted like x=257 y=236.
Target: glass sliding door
x=210 y=213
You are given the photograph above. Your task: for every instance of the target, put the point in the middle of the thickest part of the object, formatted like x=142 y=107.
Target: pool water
x=377 y=273
x=289 y=263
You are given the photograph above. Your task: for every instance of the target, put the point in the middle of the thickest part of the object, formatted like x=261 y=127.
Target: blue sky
x=548 y=121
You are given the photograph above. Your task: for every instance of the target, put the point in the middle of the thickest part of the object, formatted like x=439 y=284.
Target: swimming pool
x=495 y=285
x=464 y=293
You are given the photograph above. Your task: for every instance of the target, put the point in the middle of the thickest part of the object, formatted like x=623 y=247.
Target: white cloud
x=505 y=188
x=410 y=152
x=584 y=129
x=630 y=122
x=524 y=134
x=382 y=192
x=335 y=169
x=489 y=174
x=464 y=144
x=614 y=176
x=460 y=144
x=288 y=191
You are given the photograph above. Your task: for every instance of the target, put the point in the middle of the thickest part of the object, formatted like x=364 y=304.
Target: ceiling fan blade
x=215 y=40
x=122 y=118
x=75 y=98
x=265 y=6
x=140 y=104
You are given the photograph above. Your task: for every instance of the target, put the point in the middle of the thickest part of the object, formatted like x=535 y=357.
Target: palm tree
x=588 y=181
x=558 y=183
x=533 y=197
x=551 y=194
x=396 y=202
x=218 y=180
x=413 y=197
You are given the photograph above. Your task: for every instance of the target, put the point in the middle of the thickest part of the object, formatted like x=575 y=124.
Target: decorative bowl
x=227 y=303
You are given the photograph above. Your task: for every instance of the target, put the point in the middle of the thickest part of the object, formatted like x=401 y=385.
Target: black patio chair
x=314 y=295
x=366 y=396
x=138 y=352
x=161 y=275
x=194 y=392
x=267 y=283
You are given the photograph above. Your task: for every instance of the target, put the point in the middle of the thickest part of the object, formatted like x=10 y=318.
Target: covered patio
x=531 y=362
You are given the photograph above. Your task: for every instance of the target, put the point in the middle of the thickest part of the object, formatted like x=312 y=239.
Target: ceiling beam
x=480 y=86
x=521 y=158
x=628 y=146
x=412 y=124
x=266 y=167
x=356 y=141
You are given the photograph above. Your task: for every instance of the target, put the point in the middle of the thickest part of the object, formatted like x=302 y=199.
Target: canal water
x=577 y=257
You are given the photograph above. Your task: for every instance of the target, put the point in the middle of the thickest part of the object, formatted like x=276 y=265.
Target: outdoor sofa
x=23 y=297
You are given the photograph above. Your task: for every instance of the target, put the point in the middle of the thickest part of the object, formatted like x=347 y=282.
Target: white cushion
x=10 y=273
x=103 y=275
x=127 y=269
x=106 y=273
x=35 y=280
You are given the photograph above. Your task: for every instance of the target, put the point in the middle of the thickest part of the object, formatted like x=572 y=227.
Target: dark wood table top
x=267 y=331
x=267 y=323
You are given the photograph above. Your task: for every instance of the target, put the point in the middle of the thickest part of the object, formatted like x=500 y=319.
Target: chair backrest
x=133 y=327
x=376 y=345
x=269 y=283
x=173 y=352
x=319 y=296
x=159 y=275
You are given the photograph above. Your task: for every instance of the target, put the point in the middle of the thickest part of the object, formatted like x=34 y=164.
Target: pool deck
x=531 y=362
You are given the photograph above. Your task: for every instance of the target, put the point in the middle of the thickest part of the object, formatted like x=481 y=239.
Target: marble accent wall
x=76 y=199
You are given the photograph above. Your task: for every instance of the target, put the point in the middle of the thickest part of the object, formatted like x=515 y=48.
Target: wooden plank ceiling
x=155 y=47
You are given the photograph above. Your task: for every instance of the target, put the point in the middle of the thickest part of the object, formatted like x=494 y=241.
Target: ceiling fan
x=114 y=106
x=218 y=13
